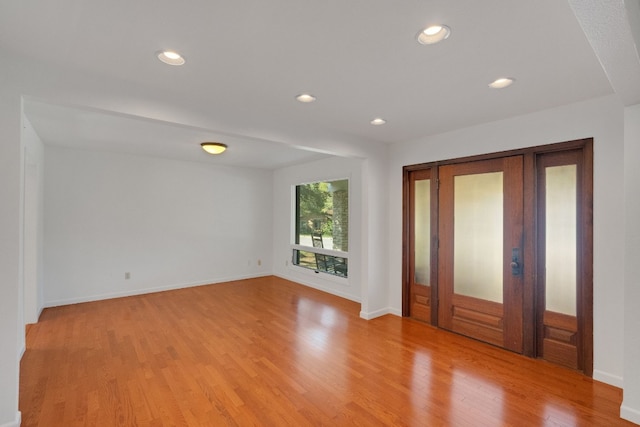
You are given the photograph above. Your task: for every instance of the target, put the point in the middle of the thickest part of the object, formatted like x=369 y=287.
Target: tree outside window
x=322 y=223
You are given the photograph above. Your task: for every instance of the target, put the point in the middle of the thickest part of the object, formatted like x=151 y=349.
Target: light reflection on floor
x=467 y=396
x=559 y=416
x=421 y=384
x=473 y=394
x=315 y=325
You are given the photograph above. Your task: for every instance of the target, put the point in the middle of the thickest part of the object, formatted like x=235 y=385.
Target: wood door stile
x=513 y=290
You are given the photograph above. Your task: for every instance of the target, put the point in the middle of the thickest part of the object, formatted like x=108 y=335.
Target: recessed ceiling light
x=501 y=83
x=305 y=97
x=433 y=34
x=213 y=147
x=378 y=121
x=170 y=57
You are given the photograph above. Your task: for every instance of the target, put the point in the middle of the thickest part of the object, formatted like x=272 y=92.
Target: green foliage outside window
x=322 y=221
x=315 y=208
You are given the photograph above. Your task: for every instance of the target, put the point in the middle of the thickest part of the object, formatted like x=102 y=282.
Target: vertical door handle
x=516 y=263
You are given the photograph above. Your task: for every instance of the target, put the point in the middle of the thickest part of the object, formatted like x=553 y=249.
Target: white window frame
x=321 y=251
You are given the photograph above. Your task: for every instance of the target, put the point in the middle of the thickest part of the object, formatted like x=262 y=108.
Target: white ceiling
x=91 y=129
x=246 y=61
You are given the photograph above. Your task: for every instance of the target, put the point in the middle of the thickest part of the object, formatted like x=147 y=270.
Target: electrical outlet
x=259 y=262
x=127 y=275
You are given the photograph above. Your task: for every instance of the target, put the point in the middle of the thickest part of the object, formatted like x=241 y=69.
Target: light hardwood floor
x=274 y=353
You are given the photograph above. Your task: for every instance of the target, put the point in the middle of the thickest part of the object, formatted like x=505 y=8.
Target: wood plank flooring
x=269 y=352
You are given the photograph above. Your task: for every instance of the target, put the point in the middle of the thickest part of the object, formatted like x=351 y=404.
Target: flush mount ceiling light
x=433 y=34
x=378 y=121
x=305 y=97
x=213 y=147
x=170 y=57
x=501 y=83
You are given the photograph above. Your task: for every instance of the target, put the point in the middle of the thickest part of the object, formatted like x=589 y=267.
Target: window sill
x=318 y=275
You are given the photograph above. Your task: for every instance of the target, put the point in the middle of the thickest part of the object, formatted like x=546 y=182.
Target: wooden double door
x=498 y=248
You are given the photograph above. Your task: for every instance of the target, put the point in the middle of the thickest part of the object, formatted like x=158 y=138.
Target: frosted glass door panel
x=422 y=221
x=560 y=237
x=478 y=236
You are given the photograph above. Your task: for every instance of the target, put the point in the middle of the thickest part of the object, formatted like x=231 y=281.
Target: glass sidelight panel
x=478 y=236
x=560 y=237
x=422 y=224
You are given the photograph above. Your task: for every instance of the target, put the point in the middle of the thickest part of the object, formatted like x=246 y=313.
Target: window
x=322 y=227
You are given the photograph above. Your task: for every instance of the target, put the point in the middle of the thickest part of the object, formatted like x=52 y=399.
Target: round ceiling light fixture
x=170 y=57
x=305 y=98
x=433 y=34
x=501 y=83
x=378 y=121
x=213 y=147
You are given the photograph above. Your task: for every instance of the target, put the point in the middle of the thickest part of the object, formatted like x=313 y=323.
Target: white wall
x=11 y=311
x=168 y=223
x=376 y=250
x=33 y=222
x=631 y=404
x=283 y=211
x=601 y=119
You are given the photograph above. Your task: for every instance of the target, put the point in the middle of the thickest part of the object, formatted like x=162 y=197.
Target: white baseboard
x=630 y=414
x=100 y=297
x=608 y=378
x=395 y=312
x=377 y=313
x=313 y=285
x=14 y=423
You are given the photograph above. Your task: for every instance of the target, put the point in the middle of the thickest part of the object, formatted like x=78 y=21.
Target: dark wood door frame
x=530 y=242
